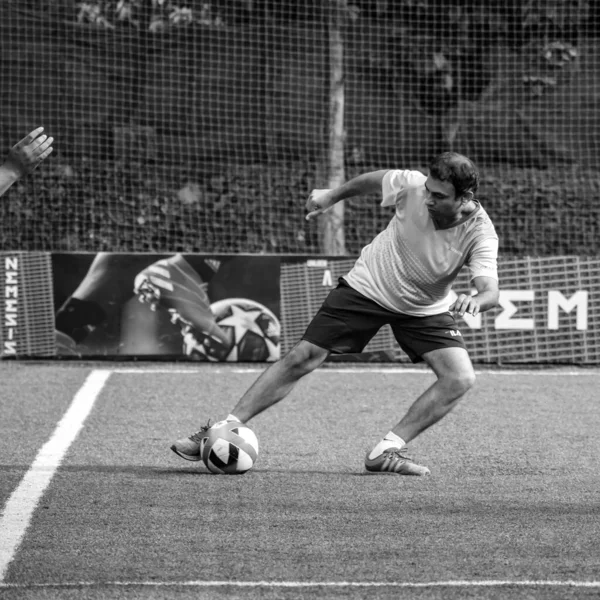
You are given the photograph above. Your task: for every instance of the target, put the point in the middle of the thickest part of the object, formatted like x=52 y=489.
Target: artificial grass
x=512 y=495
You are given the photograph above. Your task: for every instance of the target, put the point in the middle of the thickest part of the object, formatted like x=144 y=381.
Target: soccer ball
x=231 y=448
x=253 y=331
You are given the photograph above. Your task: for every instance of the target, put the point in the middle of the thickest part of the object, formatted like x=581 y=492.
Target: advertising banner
x=27 y=307
x=254 y=308
x=180 y=306
x=549 y=310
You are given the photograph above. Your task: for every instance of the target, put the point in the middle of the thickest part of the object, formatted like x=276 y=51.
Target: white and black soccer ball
x=253 y=330
x=230 y=448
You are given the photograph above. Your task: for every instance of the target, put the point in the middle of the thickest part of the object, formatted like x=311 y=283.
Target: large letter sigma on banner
x=504 y=320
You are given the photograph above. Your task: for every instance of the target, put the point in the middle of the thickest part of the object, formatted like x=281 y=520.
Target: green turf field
x=511 y=509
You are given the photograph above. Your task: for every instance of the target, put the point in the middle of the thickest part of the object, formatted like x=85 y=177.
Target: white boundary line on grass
x=474 y=583
x=557 y=372
x=19 y=508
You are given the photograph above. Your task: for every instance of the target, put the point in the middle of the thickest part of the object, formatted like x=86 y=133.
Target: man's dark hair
x=458 y=170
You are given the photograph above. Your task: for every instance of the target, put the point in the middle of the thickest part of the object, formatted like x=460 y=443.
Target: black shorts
x=347 y=321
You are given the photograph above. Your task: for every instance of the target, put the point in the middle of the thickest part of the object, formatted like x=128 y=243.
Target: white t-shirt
x=410 y=266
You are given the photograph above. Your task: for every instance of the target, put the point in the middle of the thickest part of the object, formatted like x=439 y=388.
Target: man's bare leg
x=278 y=380
x=455 y=376
x=274 y=384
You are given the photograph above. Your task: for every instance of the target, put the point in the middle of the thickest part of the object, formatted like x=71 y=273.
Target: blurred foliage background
x=202 y=126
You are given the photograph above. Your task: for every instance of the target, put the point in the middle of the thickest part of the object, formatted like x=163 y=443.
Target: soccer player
x=24 y=157
x=402 y=278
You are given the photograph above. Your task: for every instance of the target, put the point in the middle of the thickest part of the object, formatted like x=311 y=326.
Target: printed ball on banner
x=253 y=330
x=231 y=448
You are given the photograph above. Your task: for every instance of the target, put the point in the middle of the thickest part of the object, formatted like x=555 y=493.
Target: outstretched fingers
x=29 y=138
x=42 y=147
x=29 y=152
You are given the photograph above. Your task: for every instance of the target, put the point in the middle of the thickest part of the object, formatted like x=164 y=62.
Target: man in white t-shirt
x=403 y=279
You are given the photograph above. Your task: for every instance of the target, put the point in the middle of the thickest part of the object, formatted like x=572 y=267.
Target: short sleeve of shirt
x=483 y=261
x=396 y=182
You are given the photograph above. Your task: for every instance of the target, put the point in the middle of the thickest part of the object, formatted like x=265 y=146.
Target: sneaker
x=189 y=447
x=394 y=460
x=173 y=285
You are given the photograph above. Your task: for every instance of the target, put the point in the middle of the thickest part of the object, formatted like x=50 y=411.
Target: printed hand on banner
x=173 y=285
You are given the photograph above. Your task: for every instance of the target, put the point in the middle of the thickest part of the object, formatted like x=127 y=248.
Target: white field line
x=556 y=372
x=17 y=513
x=474 y=583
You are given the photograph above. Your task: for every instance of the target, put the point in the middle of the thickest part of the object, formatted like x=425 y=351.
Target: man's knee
x=458 y=383
x=304 y=357
x=454 y=370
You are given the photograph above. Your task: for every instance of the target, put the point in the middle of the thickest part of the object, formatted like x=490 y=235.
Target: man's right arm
x=367 y=183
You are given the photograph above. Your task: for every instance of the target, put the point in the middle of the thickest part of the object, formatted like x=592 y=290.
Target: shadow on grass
x=149 y=471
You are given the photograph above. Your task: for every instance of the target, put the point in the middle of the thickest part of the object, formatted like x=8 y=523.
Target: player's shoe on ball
x=172 y=284
x=394 y=460
x=189 y=447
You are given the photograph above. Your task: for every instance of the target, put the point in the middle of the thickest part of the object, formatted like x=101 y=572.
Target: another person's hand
x=28 y=153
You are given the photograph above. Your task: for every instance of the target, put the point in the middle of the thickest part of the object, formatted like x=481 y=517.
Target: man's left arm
x=487 y=297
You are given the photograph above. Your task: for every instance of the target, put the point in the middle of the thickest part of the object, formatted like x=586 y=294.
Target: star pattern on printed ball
x=243 y=320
